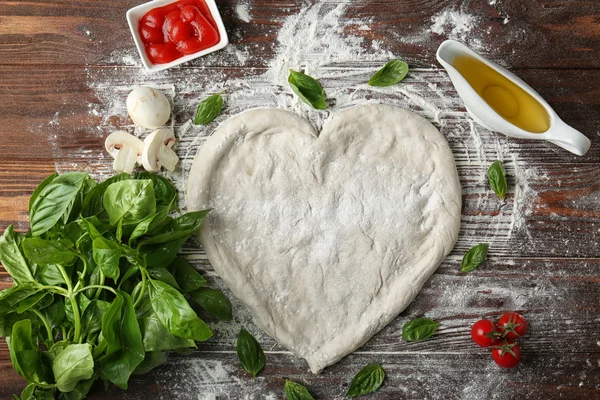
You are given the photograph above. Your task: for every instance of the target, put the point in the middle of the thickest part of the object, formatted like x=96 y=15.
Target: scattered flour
x=453 y=23
x=243 y=12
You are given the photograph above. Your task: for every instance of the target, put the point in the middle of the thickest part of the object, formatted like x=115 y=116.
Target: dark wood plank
x=541 y=34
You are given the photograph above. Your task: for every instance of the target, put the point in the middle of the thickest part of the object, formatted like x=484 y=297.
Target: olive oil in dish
x=506 y=98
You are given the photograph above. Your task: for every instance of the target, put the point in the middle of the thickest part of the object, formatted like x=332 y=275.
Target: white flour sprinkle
x=242 y=12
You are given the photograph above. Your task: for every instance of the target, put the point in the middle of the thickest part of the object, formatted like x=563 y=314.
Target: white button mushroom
x=157 y=151
x=148 y=107
x=126 y=149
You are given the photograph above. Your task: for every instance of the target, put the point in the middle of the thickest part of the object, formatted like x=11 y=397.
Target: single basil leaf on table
x=164 y=191
x=497 y=179
x=175 y=313
x=107 y=255
x=250 y=353
x=39 y=189
x=12 y=257
x=163 y=275
x=419 y=329
x=72 y=365
x=474 y=257
x=208 y=109
x=392 y=72
x=152 y=360
x=368 y=380
x=295 y=391
x=180 y=227
x=308 y=89
x=129 y=201
x=93 y=201
x=188 y=278
x=55 y=201
x=118 y=365
x=45 y=252
x=157 y=338
x=214 y=301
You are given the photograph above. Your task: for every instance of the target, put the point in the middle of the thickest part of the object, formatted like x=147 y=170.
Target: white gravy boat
x=559 y=132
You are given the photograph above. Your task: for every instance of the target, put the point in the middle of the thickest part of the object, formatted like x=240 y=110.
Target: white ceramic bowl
x=134 y=15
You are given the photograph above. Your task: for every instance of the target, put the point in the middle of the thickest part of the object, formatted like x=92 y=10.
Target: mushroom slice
x=126 y=149
x=158 y=151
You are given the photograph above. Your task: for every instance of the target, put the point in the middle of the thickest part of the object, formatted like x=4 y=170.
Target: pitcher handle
x=569 y=138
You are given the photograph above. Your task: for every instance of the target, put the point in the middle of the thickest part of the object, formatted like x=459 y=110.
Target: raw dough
x=326 y=240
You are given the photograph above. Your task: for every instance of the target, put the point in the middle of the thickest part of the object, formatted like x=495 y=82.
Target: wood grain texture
x=55 y=60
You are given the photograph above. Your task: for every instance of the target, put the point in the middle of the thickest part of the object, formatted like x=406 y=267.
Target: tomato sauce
x=178 y=29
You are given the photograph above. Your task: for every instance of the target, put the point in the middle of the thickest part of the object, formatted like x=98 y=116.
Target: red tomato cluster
x=178 y=29
x=501 y=338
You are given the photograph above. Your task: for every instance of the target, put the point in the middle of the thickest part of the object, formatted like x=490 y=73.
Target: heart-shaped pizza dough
x=326 y=238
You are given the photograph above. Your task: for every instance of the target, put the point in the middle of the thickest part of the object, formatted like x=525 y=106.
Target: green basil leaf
x=56 y=349
x=419 y=329
x=157 y=338
x=152 y=360
x=163 y=253
x=250 y=353
x=391 y=73
x=497 y=179
x=142 y=228
x=55 y=313
x=12 y=258
x=55 y=201
x=474 y=257
x=31 y=301
x=81 y=390
x=107 y=255
x=164 y=191
x=368 y=380
x=46 y=252
x=91 y=320
x=110 y=325
x=8 y=320
x=214 y=301
x=308 y=89
x=93 y=201
x=51 y=275
x=295 y=391
x=181 y=227
x=75 y=363
x=188 y=278
x=173 y=310
x=117 y=366
x=39 y=189
x=208 y=109
x=130 y=201
x=163 y=275
x=82 y=303
x=24 y=353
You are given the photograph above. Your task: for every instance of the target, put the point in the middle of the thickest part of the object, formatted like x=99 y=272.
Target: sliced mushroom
x=126 y=149
x=158 y=151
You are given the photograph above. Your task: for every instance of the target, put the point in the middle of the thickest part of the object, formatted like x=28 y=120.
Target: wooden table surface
x=62 y=62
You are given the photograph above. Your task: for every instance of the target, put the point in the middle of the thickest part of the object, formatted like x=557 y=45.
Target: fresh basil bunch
x=98 y=291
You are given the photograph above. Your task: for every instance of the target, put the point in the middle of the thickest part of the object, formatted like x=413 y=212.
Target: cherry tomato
x=512 y=325
x=484 y=333
x=507 y=354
